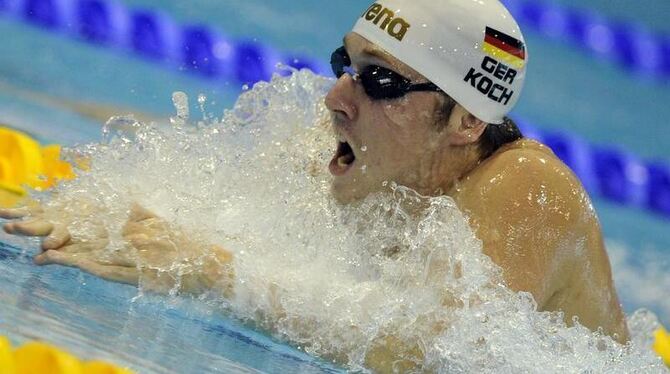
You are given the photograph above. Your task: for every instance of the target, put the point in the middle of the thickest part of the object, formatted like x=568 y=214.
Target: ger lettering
x=486 y=84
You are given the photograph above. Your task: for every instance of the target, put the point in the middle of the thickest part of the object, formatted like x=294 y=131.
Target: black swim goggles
x=379 y=83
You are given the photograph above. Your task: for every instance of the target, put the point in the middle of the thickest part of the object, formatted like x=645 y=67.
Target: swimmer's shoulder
x=523 y=160
x=520 y=202
x=524 y=176
x=527 y=152
x=529 y=161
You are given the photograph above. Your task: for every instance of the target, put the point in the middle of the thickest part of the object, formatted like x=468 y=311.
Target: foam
x=330 y=279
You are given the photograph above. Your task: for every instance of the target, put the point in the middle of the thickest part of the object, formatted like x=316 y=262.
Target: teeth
x=345 y=160
x=342 y=139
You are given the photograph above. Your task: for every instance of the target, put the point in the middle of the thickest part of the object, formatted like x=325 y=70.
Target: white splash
x=332 y=279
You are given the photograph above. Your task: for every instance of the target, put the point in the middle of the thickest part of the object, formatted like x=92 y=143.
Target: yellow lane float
x=662 y=345
x=24 y=163
x=42 y=358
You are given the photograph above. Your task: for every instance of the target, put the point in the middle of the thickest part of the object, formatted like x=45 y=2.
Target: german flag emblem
x=504 y=48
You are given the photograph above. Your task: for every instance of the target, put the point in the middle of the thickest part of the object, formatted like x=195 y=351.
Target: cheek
x=384 y=139
x=411 y=122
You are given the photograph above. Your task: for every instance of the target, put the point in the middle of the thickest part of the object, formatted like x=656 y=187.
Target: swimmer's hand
x=159 y=258
x=51 y=227
x=165 y=259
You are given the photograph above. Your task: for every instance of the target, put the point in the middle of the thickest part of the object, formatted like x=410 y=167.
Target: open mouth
x=343 y=160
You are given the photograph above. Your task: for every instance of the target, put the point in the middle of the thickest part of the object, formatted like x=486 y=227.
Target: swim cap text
x=486 y=84
x=386 y=20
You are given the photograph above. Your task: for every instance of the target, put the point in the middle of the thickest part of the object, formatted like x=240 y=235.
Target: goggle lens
x=379 y=83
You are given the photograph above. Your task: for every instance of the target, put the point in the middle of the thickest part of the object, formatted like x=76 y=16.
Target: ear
x=468 y=130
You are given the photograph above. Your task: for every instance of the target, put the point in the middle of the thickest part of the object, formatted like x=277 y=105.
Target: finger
x=149 y=226
x=13 y=213
x=131 y=228
x=58 y=237
x=35 y=227
x=140 y=213
x=121 y=274
x=20 y=212
x=116 y=260
x=96 y=250
x=86 y=247
x=143 y=242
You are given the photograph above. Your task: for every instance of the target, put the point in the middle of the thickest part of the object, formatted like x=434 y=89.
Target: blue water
x=566 y=90
x=94 y=318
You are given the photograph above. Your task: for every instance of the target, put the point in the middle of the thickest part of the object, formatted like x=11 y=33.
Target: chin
x=345 y=193
x=340 y=194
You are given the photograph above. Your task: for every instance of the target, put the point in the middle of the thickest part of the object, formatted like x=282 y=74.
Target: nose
x=341 y=99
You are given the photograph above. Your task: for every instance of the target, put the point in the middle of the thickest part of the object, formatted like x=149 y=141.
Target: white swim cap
x=472 y=49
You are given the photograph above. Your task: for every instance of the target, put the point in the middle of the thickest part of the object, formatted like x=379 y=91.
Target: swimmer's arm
x=538 y=224
x=526 y=212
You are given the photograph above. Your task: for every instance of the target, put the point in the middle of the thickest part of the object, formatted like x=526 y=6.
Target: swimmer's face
x=405 y=140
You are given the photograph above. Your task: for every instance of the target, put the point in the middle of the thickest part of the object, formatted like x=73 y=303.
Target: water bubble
x=202 y=100
x=124 y=126
x=180 y=102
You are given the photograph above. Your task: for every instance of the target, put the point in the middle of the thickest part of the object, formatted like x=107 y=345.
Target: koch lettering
x=490 y=84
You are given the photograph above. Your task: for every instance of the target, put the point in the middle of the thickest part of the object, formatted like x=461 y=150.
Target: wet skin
x=532 y=214
x=537 y=223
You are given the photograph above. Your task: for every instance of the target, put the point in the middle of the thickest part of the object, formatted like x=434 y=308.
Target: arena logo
x=490 y=81
x=386 y=20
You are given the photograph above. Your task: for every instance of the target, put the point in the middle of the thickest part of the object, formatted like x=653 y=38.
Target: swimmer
x=426 y=90
x=421 y=99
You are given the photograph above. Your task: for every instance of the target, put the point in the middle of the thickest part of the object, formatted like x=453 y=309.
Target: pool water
x=314 y=273
x=97 y=319
x=598 y=101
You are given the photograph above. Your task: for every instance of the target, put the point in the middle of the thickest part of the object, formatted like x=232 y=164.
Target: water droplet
x=202 y=100
x=180 y=102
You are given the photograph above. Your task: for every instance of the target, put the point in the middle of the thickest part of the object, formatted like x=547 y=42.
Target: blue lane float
x=611 y=173
x=155 y=36
x=607 y=172
x=151 y=34
x=630 y=46
x=148 y=32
